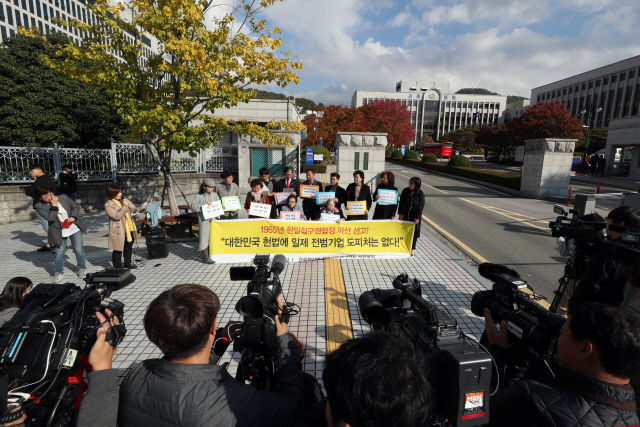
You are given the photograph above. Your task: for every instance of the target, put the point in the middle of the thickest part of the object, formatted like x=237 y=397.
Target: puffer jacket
x=570 y=400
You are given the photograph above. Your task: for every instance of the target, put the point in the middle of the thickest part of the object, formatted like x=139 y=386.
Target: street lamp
x=591 y=113
x=316 y=129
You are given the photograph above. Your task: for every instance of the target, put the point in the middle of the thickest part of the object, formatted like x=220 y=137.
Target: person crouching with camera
x=186 y=387
x=598 y=350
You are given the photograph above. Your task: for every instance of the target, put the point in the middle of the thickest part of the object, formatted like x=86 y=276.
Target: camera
x=625 y=249
x=459 y=371
x=44 y=348
x=532 y=330
x=582 y=232
x=259 y=307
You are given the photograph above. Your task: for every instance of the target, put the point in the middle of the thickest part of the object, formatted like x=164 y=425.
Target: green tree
x=39 y=108
x=597 y=140
x=463 y=139
x=198 y=67
x=426 y=139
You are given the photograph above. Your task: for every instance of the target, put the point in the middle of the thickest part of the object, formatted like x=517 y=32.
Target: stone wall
x=547 y=167
x=350 y=143
x=15 y=206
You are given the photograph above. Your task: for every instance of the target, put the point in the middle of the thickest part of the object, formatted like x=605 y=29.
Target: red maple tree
x=544 y=120
x=391 y=117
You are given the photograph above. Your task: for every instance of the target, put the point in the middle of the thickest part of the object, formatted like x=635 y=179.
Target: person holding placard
x=411 y=206
x=292 y=206
x=330 y=208
x=341 y=193
x=385 y=210
x=256 y=195
x=205 y=196
x=358 y=191
x=309 y=205
x=228 y=189
x=270 y=187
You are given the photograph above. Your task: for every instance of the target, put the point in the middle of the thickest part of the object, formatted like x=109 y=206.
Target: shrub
x=508 y=160
x=388 y=152
x=319 y=168
x=429 y=158
x=459 y=161
x=411 y=155
x=326 y=154
x=396 y=154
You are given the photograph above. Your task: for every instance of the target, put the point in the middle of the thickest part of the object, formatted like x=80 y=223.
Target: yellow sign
x=322 y=239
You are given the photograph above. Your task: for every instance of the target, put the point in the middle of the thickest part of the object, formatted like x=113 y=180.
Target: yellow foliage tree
x=167 y=94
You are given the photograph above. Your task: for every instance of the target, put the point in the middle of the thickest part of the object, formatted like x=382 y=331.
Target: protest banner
x=388 y=197
x=260 y=209
x=231 y=203
x=213 y=210
x=290 y=216
x=240 y=240
x=309 y=191
x=356 y=208
x=321 y=198
x=281 y=198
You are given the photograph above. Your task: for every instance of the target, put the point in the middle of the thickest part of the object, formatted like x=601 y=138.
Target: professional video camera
x=532 y=330
x=458 y=371
x=43 y=347
x=259 y=308
x=626 y=249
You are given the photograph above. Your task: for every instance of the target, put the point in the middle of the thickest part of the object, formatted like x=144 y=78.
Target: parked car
x=575 y=163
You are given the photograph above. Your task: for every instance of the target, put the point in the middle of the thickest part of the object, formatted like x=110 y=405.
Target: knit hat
x=209 y=182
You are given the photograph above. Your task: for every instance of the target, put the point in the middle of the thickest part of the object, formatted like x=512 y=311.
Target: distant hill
x=480 y=91
x=306 y=104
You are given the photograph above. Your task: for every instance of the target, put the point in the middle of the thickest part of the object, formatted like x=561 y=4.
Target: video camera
x=574 y=228
x=532 y=330
x=458 y=371
x=259 y=307
x=625 y=249
x=43 y=347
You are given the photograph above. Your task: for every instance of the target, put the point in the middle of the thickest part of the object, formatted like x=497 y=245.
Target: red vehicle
x=440 y=149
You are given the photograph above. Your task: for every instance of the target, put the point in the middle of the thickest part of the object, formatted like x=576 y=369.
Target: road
x=494 y=226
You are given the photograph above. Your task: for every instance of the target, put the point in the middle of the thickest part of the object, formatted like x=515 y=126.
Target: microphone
x=278 y=264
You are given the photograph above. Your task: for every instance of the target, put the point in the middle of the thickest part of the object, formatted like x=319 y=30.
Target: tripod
x=571 y=273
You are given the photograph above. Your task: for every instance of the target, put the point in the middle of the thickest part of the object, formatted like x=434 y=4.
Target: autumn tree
x=544 y=120
x=389 y=116
x=494 y=137
x=597 y=140
x=331 y=120
x=198 y=67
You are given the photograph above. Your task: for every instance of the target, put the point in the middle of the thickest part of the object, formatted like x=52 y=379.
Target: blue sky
x=507 y=46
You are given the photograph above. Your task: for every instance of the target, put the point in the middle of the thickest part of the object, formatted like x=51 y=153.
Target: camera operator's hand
x=101 y=353
x=281 y=327
x=232 y=330
x=495 y=336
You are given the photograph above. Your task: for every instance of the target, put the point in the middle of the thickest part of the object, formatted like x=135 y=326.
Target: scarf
x=257 y=196
x=130 y=227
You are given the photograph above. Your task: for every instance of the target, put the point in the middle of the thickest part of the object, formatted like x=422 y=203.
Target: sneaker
x=82 y=273
x=57 y=277
x=46 y=248
x=130 y=266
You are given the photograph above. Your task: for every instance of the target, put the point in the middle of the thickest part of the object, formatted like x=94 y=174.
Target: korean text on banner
x=309 y=191
x=356 y=208
x=213 y=210
x=290 y=216
x=232 y=241
x=321 y=198
x=260 y=209
x=231 y=203
x=388 y=197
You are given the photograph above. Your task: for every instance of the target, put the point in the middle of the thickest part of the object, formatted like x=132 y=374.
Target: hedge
x=397 y=154
x=388 y=152
x=318 y=168
x=459 y=161
x=411 y=155
x=508 y=160
x=500 y=178
x=430 y=158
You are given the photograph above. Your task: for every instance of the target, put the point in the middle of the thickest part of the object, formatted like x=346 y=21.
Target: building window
x=18 y=22
x=632 y=74
x=571 y=89
x=553 y=94
x=584 y=86
x=614 y=79
x=3 y=33
x=569 y=105
x=591 y=84
x=636 y=102
x=598 y=83
x=627 y=102
x=33 y=22
x=618 y=103
x=564 y=91
x=605 y=81
x=577 y=88
x=623 y=76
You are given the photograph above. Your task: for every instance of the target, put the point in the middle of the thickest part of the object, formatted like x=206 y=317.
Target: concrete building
x=434 y=111
x=514 y=109
x=262 y=111
x=616 y=89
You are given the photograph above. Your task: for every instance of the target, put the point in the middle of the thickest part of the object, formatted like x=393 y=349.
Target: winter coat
x=41 y=180
x=50 y=213
x=118 y=224
x=365 y=195
x=203 y=224
x=384 y=211
x=264 y=199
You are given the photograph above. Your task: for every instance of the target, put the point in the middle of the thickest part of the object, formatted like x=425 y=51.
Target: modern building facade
x=514 y=109
x=615 y=89
x=434 y=111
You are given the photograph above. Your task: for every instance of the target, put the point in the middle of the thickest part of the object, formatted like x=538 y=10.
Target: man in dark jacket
x=593 y=163
x=68 y=183
x=37 y=171
x=309 y=205
x=186 y=387
x=288 y=183
x=599 y=350
x=270 y=185
x=602 y=163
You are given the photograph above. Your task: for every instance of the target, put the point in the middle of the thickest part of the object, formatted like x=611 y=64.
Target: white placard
x=322 y=197
x=281 y=198
x=262 y=210
x=265 y=188
x=318 y=157
x=330 y=217
x=388 y=197
x=356 y=208
x=213 y=210
x=309 y=191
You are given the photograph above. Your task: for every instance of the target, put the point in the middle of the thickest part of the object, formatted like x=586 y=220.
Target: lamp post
x=591 y=112
x=316 y=129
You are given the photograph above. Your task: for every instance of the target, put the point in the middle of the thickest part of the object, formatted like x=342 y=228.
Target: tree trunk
x=165 y=158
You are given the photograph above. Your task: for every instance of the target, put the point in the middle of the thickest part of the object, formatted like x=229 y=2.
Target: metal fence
x=106 y=164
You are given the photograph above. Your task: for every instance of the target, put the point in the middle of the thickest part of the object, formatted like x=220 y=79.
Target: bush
x=396 y=154
x=388 y=152
x=319 y=168
x=411 y=155
x=429 y=158
x=461 y=161
x=508 y=160
x=326 y=154
x=500 y=178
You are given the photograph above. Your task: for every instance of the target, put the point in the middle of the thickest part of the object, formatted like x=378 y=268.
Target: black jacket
x=68 y=183
x=411 y=207
x=50 y=213
x=283 y=184
x=41 y=180
x=571 y=400
x=341 y=195
x=365 y=195
x=309 y=206
x=384 y=211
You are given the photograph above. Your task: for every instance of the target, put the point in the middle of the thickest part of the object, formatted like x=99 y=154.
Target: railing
x=106 y=164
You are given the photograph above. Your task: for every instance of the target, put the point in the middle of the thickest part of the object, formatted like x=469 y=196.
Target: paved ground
x=328 y=315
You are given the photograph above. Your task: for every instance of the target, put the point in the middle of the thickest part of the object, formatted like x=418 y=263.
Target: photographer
x=603 y=279
x=185 y=387
x=377 y=380
x=598 y=350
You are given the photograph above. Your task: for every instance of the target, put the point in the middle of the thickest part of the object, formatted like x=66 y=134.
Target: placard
x=321 y=198
x=281 y=198
x=231 y=203
x=329 y=217
x=309 y=191
x=388 y=197
x=263 y=210
x=356 y=208
x=290 y=216
x=213 y=210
